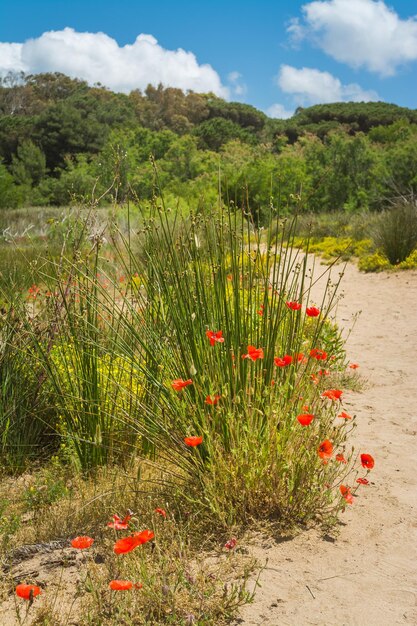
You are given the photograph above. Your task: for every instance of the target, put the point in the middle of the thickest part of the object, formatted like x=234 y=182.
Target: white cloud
x=311 y=86
x=238 y=87
x=96 y=57
x=279 y=111
x=360 y=33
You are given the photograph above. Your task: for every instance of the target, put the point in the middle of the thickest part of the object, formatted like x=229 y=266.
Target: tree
x=28 y=165
x=10 y=195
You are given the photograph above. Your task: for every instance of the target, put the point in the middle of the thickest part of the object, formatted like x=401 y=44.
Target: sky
x=274 y=54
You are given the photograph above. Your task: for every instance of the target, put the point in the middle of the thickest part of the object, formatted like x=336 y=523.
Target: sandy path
x=368 y=575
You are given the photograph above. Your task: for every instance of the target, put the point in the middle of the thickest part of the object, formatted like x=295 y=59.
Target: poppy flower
x=332 y=394
x=325 y=449
x=144 y=536
x=253 y=353
x=362 y=481
x=340 y=458
x=120 y=524
x=345 y=491
x=127 y=544
x=179 y=383
x=312 y=311
x=283 y=361
x=81 y=543
x=367 y=461
x=323 y=373
x=305 y=419
x=161 y=512
x=261 y=310
x=345 y=415
x=193 y=441
x=27 y=592
x=229 y=545
x=120 y=585
x=318 y=354
x=215 y=337
x=353 y=366
x=212 y=399
x=294 y=306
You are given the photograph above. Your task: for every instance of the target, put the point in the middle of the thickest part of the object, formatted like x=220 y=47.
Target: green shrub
x=395 y=233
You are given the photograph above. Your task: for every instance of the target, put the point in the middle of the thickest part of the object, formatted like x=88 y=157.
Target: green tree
x=10 y=194
x=28 y=165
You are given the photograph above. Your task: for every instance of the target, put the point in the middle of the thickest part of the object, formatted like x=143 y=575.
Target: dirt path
x=368 y=575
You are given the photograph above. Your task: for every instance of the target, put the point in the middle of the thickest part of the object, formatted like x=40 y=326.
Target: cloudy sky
x=274 y=54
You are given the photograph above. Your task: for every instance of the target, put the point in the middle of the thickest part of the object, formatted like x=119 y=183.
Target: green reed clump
x=395 y=232
x=209 y=273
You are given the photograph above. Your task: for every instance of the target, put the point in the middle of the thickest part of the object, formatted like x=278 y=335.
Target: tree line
x=61 y=138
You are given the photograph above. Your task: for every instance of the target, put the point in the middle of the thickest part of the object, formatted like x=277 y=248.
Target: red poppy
x=120 y=524
x=253 y=353
x=345 y=491
x=305 y=419
x=120 y=585
x=345 y=415
x=27 y=592
x=283 y=361
x=362 y=481
x=229 y=545
x=294 y=306
x=323 y=373
x=340 y=458
x=127 y=544
x=320 y=355
x=325 y=449
x=332 y=394
x=353 y=366
x=144 y=536
x=193 y=441
x=212 y=399
x=179 y=383
x=215 y=336
x=82 y=542
x=161 y=512
x=261 y=310
x=367 y=461
x=312 y=311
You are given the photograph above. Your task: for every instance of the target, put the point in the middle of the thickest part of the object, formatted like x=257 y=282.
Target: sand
x=367 y=574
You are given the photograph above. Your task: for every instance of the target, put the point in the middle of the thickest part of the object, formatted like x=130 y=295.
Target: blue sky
x=275 y=55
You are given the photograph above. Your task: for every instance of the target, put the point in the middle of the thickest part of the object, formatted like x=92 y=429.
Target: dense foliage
x=61 y=139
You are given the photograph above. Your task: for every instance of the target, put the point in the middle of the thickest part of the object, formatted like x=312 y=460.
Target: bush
x=395 y=233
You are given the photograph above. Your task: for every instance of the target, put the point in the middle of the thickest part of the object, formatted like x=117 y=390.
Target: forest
x=62 y=141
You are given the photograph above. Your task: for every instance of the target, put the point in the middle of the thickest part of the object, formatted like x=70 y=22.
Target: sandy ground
x=367 y=575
